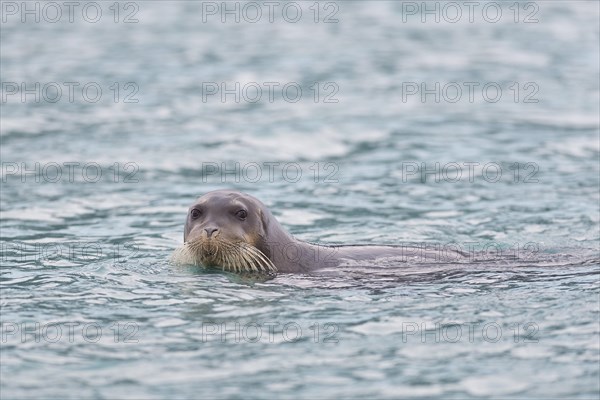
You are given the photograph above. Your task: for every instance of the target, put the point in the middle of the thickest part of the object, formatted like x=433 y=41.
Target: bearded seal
x=237 y=233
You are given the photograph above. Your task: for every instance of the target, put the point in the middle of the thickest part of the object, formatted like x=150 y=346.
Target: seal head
x=228 y=229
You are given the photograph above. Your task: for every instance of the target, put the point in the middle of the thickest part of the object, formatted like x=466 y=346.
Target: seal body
x=236 y=232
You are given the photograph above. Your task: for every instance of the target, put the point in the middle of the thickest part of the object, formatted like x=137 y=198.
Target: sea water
x=371 y=125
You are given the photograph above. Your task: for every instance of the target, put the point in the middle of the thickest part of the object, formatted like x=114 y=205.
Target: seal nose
x=210 y=231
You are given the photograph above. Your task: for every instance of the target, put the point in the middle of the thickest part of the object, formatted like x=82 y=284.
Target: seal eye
x=195 y=213
x=242 y=214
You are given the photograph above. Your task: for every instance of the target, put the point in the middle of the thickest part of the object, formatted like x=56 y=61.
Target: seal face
x=226 y=229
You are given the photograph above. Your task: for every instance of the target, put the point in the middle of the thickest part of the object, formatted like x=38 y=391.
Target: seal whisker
x=262 y=256
x=259 y=260
x=252 y=258
x=255 y=262
x=227 y=262
x=234 y=257
x=269 y=266
x=262 y=260
x=246 y=257
x=229 y=258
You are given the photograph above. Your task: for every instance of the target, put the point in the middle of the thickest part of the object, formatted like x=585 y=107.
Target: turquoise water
x=91 y=306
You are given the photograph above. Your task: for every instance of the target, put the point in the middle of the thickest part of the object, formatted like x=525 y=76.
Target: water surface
x=87 y=258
